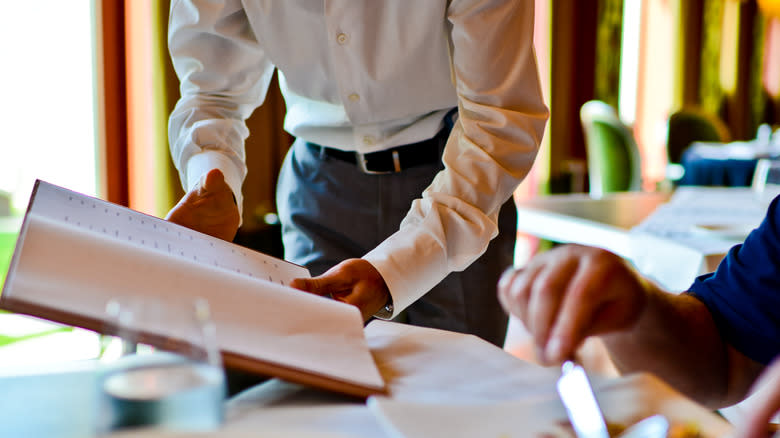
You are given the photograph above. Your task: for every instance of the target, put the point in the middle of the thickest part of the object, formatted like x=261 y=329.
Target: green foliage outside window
x=608 y=42
x=710 y=91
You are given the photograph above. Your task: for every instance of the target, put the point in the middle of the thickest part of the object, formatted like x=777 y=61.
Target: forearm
x=224 y=76
x=489 y=151
x=676 y=339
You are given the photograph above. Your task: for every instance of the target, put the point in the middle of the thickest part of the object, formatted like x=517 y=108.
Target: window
x=47 y=116
x=47 y=121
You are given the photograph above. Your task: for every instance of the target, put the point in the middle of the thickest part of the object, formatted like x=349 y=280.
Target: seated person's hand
x=209 y=208
x=353 y=281
x=765 y=403
x=569 y=293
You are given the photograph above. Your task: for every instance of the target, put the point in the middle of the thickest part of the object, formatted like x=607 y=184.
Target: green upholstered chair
x=613 y=157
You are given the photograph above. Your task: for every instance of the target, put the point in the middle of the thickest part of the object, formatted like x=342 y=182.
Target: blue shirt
x=743 y=294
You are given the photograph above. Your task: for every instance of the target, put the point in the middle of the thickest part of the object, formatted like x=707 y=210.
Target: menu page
x=135 y=228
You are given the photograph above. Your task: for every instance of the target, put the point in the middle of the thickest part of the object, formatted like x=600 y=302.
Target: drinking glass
x=163 y=370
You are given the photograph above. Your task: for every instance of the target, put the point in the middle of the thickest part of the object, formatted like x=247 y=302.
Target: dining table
x=440 y=383
x=731 y=164
x=443 y=383
x=671 y=237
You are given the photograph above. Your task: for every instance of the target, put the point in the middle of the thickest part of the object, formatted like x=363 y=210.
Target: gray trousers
x=331 y=211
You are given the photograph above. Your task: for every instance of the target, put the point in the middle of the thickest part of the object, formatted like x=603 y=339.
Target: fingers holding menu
x=209 y=208
x=353 y=281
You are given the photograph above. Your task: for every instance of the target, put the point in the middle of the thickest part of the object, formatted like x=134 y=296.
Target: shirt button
x=369 y=140
x=354 y=97
x=342 y=38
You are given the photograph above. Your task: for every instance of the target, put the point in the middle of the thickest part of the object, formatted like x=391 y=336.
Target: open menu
x=76 y=254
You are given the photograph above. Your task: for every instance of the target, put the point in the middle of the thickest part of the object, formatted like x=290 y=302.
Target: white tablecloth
x=446 y=384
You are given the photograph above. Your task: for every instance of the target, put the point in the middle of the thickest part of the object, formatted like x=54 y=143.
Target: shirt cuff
x=411 y=262
x=201 y=163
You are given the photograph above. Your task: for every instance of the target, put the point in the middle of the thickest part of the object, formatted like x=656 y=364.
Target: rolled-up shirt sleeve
x=743 y=294
x=224 y=76
x=490 y=150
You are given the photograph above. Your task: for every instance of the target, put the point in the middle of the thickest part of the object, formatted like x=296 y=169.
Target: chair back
x=766 y=178
x=613 y=156
x=688 y=125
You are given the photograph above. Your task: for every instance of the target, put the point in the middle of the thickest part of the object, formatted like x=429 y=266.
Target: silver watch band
x=386 y=312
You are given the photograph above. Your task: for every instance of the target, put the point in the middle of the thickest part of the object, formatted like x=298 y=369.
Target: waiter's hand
x=209 y=208
x=571 y=292
x=353 y=281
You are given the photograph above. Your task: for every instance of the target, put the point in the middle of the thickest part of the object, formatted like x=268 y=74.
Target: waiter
x=414 y=123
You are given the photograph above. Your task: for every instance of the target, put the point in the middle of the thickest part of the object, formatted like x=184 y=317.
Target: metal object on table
x=580 y=402
x=585 y=414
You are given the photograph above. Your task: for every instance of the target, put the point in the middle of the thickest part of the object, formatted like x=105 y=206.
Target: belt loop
x=323 y=153
x=396 y=161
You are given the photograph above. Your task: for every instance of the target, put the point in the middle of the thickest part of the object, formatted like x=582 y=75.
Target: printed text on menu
x=136 y=228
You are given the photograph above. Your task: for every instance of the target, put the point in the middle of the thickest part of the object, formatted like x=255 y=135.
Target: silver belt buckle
x=361 y=161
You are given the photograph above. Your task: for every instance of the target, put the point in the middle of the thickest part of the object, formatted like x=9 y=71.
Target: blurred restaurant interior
x=631 y=85
x=651 y=97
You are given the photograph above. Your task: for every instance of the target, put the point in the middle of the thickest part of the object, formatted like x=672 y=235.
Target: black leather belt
x=391 y=160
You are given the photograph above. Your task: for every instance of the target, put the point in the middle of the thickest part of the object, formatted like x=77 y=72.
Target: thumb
x=325 y=284
x=213 y=181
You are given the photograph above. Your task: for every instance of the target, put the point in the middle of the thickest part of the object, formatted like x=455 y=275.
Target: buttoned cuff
x=201 y=163
x=411 y=262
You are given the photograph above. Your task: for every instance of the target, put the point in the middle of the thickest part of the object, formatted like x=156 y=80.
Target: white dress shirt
x=368 y=75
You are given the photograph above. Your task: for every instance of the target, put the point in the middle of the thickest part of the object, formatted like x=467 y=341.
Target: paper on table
x=693 y=206
x=670 y=240
x=419 y=365
x=624 y=401
x=69 y=273
x=423 y=364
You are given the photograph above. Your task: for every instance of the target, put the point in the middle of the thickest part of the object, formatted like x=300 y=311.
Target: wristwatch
x=386 y=312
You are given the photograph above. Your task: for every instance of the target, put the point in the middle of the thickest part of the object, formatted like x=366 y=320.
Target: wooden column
x=111 y=102
x=738 y=115
x=688 y=63
x=572 y=83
